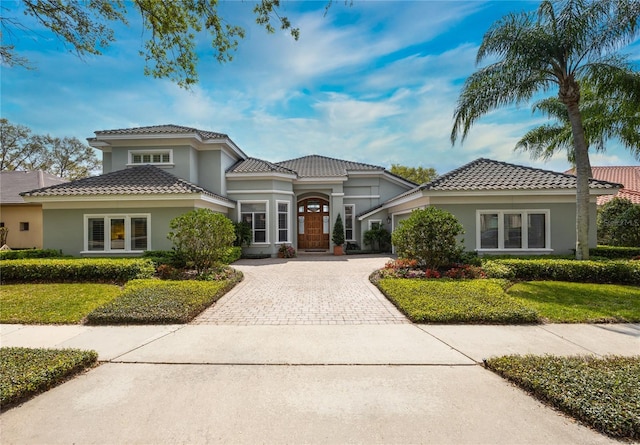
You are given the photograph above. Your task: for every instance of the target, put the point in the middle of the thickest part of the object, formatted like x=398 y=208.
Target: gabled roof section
x=163 y=129
x=253 y=165
x=315 y=166
x=487 y=174
x=139 y=180
x=12 y=183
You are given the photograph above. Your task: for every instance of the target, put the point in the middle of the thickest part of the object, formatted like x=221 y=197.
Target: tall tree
x=66 y=157
x=603 y=117
x=173 y=27
x=418 y=175
x=18 y=147
x=566 y=42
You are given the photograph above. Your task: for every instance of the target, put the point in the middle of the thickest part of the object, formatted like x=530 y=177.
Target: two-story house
x=153 y=174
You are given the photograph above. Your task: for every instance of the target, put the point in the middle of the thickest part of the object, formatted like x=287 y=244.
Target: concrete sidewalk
x=302 y=384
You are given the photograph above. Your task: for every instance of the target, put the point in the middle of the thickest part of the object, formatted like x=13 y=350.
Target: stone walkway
x=308 y=290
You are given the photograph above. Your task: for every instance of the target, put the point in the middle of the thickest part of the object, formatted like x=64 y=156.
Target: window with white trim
x=512 y=230
x=375 y=224
x=159 y=157
x=255 y=215
x=349 y=222
x=117 y=233
x=283 y=221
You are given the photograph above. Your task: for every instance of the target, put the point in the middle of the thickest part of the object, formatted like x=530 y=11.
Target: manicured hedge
x=174 y=259
x=455 y=301
x=604 y=392
x=69 y=270
x=615 y=252
x=25 y=372
x=607 y=271
x=29 y=253
x=161 y=301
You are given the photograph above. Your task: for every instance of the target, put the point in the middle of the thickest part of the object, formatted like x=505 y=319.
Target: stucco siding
x=64 y=228
x=13 y=215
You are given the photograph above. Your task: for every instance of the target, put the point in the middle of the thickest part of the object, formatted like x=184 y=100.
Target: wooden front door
x=313 y=224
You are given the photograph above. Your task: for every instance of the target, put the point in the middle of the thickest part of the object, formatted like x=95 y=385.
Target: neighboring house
x=628 y=176
x=504 y=208
x=22 y=219
x=153 y=174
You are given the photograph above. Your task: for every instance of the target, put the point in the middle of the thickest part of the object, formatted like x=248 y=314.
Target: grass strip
x=161 y=302
x=603 y=393
x=562 y=302
x=455 y=301
x=25 y=372
x=52 y=303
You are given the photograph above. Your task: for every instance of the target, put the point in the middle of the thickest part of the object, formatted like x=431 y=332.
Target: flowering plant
x=286 y=251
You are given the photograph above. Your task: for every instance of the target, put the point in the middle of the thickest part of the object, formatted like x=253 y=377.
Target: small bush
x=615 y=252
x=29 y=253
x=75 y=270
x=619 y=223
x=161 y=302
x=25 y=372
x=464 y=272
x=449 y=301
x=614 y=271
x=231 y=255
x=604 y=393
x=429 y=236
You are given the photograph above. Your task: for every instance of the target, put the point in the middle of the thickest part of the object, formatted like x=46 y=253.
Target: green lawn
x=25 y=372
x=562 y=302
x=456 y=301
x=604 y=393
x=52 y=303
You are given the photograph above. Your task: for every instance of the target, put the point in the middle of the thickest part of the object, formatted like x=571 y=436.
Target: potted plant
x=338 y=236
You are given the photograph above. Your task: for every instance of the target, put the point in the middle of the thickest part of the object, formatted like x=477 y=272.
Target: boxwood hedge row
x=70 y=270
x=615 y=252
x=613 y=271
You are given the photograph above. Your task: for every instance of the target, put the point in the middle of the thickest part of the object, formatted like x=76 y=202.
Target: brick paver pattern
x=308 y=290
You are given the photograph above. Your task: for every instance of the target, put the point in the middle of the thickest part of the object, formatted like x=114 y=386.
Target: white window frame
x=127 y=232
x=353 y=222
x=373 y=221
x=278 y=228
x=524 y=213
x=151 y=153
x=266 y=215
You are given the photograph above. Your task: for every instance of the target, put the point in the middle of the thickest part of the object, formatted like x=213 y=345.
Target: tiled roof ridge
x=272 y=165
x=330 y=159
x=471 y=164
x=101 y=178
x=164 y=128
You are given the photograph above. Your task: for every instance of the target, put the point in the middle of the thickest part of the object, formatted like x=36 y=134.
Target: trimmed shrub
x=613 y=271
x=161 y=302
x=25 y=372
x=604 y=392
x=75 y=270
x=202 y=237
x=619 y=223
x=429 y=236
x=29 y=253
x=231 y=255
x=615 y=252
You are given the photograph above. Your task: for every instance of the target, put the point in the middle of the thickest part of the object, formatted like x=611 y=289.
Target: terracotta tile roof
x=320 y=166
x=163 y=129
x=12 y=183
x=628 y=176
x=253 y=165
x=487 y=174
x=139 y=180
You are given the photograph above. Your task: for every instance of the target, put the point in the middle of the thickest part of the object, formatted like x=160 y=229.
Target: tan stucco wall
x=13 y=215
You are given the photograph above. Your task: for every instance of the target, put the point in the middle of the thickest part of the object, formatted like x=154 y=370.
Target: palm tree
x=603 y=117
x=564 y=44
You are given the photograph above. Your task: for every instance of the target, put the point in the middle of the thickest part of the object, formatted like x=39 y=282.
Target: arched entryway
x=313 y=224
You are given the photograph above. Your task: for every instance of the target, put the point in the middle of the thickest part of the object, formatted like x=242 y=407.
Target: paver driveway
x=310 y=289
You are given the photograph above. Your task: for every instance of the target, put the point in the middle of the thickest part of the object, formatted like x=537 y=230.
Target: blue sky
x=374 y=82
